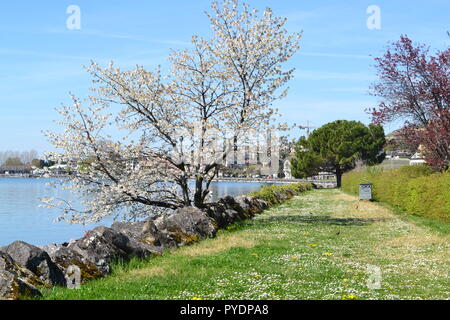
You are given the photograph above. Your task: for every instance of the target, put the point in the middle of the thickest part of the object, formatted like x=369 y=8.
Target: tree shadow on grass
x=323 y=220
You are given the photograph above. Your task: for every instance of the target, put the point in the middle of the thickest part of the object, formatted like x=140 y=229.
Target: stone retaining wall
x=25 y=268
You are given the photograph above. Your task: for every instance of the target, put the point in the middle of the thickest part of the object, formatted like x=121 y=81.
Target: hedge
x=418 y=190
x=277 y=194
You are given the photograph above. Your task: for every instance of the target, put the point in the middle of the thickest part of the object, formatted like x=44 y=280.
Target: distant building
x=396 y=148
x=324 y=176
x=417 y=159
x=287 y=169
x=13 y=170
x=59 y=168
x=398 y=155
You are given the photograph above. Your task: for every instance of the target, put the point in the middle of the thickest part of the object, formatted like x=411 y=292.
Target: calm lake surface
x=21 y=218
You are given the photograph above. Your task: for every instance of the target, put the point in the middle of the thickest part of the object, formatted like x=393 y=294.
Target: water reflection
x=21 y=218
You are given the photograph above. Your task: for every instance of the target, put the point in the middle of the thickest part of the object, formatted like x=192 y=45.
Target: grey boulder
x=251 y=206
x=103 y=245
x=95 y=248
x=186 y=226
x=17 y=282
x=233 y=210
x=37 y=261
x=64 y=258
x=129 y=245
x=229 y=210
x=219 y=214
x=144 y=232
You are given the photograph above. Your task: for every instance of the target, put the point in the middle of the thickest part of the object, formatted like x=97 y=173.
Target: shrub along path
x=316 y=246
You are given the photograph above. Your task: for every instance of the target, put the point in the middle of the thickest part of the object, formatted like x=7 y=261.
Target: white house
x=288 y=170
x=417 y=159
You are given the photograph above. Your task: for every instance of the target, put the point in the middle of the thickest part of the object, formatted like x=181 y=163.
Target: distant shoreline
x=323 y=183
x=29 y=176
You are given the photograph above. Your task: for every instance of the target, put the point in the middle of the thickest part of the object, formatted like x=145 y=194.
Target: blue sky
x=41 y=60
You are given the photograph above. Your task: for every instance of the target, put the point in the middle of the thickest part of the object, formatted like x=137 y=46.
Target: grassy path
x=316 y=246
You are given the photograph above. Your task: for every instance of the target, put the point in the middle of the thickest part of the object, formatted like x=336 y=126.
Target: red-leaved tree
x=415 y=87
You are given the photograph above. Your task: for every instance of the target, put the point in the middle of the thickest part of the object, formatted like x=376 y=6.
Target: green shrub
x=417 y=190
x=274 y=194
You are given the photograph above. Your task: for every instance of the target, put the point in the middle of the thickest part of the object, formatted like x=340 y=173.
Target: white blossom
x=173 y=128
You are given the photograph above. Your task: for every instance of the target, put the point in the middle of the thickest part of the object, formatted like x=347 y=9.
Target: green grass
x=316 y=246
x=432 y=224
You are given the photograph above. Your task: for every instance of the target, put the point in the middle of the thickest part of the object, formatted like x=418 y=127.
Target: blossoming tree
x=166 y=128
x=414 y=86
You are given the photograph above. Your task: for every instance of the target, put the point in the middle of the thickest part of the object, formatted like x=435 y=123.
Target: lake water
x=21 y=218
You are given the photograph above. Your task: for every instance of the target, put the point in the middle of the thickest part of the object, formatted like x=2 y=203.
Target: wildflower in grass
x=229 y=228
x=255 y=255
x=197 y=298
x=349 y=297
x=313 y=245
x=328 y=254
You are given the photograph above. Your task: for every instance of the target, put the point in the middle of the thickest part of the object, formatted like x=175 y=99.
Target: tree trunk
x=339 y=176
x=198 y=197
x=183 y=183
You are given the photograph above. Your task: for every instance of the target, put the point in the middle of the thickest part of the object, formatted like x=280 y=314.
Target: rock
x=217 y=212
x=290 y=192
x=257 y=204
x=245 y=204
x=73 y=277
x=264 y=205
x=130 y=229
x=229 y=210
x=103 y=245
x=233 y=216
x=144 y=232
x=17 y=282
x=282 y=196
x=95 y=248
x=37 y=261
x=235 y=211
x=15 y=288
x=132 y=247
x=251 y=205
x=186 y=226
x=65 y=258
